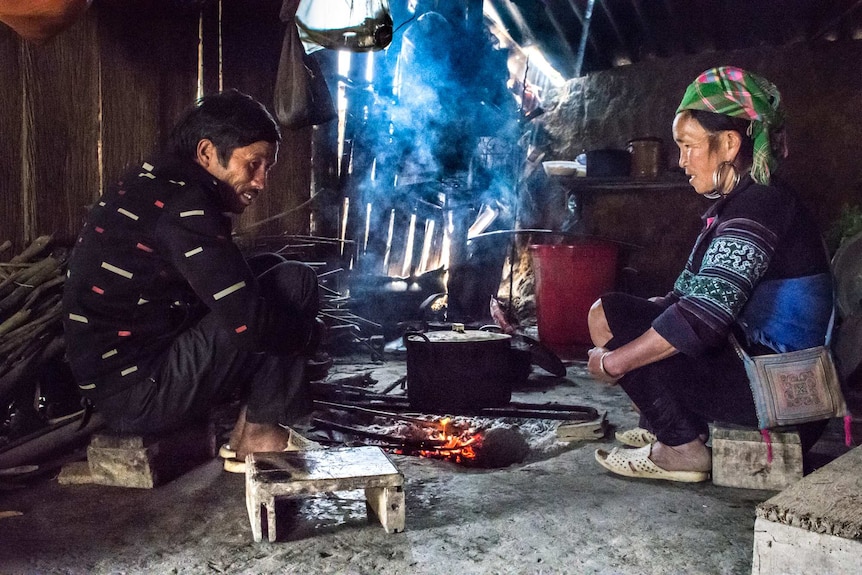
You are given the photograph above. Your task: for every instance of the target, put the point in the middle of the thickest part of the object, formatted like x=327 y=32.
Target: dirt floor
x=556 y=512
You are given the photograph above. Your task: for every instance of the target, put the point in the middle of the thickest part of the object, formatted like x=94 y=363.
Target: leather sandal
x=637 y=437
x=636 y=463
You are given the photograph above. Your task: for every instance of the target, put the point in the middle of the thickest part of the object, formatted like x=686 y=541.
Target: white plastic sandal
x=636 y=463
x=637 y=437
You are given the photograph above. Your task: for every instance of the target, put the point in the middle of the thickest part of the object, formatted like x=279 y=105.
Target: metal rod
x=585 y=32
x=379 y=412
x=429 y=444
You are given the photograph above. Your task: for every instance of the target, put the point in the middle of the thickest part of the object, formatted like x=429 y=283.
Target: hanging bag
x=301 y=96
x=794 y=387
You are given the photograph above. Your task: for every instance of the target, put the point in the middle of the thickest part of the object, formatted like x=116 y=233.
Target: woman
x=758 y=269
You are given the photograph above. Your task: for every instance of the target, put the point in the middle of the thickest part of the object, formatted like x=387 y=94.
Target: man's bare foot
x=691 y=456
x=258 y=437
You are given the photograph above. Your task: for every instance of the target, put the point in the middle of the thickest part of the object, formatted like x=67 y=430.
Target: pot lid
x=467 y=336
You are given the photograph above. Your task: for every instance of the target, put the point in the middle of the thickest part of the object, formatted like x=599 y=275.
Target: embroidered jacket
x=752 y=238
x=154 y=256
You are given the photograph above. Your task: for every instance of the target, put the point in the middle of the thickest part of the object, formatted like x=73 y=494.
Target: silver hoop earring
x=716 y=180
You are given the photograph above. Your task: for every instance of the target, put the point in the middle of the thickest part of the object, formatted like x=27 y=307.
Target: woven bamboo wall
x=104 y=93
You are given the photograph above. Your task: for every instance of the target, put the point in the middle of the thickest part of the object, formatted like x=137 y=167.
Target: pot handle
x=414 y=335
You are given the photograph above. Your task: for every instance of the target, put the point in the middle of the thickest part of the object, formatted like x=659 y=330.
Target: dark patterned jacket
x=759 y=242
x=154 y=256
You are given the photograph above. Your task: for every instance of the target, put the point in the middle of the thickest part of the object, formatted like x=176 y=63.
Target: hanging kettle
x=360 y=26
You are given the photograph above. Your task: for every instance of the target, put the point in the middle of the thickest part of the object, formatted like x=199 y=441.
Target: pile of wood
x=31 y=331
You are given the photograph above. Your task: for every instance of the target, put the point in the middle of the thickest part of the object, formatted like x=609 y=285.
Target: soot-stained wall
x=821 y=87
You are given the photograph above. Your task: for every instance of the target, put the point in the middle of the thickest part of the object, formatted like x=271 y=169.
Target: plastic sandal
x=637 y=437
x=226 y=451
x=636 y=463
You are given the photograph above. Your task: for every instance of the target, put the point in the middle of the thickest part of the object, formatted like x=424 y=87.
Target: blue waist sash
x=789 y=314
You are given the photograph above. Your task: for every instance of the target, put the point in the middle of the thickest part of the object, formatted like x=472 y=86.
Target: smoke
x=444 y=136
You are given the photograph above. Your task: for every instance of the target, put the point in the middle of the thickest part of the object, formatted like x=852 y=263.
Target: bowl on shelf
x=564 y=168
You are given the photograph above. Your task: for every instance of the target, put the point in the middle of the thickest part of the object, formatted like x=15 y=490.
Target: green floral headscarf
x=740 y=94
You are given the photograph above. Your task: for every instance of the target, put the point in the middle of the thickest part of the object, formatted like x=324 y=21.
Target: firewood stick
x=14 y=321
x=48 y=347
x=5 y=246
x=26 y=276
x=38 y=269
x=376 y=412
x=20 y=293
x=8 y=282
x=42 y=289
x=35 y=248
x=22 y=349
x=14 y=338
x=429 y=444
x=11 y=376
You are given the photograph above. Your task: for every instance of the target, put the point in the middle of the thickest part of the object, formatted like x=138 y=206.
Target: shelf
x=576 y=183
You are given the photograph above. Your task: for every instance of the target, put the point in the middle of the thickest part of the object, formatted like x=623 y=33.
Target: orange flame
x=459 y=445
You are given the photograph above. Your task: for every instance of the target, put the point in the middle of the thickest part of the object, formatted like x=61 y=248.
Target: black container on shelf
x=608 y=163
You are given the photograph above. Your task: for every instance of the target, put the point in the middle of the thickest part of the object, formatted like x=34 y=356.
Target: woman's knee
x=600 y=331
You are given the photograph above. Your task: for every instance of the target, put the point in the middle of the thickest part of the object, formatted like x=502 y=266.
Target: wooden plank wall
x=252 y=35
x=11 y=216
x=104 y=94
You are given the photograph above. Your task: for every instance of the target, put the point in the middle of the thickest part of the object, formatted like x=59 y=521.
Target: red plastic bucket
x=569 y=278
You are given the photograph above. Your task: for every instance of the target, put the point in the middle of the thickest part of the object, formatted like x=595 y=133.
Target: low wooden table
x=815 y=526
x=295 y=473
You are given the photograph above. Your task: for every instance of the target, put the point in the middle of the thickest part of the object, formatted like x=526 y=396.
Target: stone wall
x=822 y=90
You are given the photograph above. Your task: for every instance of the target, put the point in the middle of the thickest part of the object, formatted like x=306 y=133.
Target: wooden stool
x=292 y=473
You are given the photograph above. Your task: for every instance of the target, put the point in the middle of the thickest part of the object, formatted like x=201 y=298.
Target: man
x=164 y=317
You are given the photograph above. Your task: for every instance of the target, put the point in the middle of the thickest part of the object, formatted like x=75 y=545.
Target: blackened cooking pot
x=454 y=371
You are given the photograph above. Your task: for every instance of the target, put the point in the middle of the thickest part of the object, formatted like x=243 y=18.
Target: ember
x=459 y=445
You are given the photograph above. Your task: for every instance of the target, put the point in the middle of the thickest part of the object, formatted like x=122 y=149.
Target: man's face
x=245 y=172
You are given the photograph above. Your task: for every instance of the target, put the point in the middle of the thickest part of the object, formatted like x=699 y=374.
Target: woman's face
x=695 y=154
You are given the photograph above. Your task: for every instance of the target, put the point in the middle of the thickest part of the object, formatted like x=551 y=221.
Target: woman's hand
x=609 y=366
x=598 y=368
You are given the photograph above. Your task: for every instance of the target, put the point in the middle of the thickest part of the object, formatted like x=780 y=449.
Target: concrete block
x=76 y=473
x=124 y=467
x=145 y=461
x=739 y=458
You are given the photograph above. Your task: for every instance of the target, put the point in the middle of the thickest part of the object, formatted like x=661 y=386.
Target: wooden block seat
x=296 y=473
x=739 y=458
x=815 y=526
x=142 y=461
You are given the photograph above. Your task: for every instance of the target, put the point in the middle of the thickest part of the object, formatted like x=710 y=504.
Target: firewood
x=5 y=246
x=39 y=291
x=13 y=339
x=27 y=275
x=39 y=350
x=15 y=320
x=46 y=270
x=36 y=248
